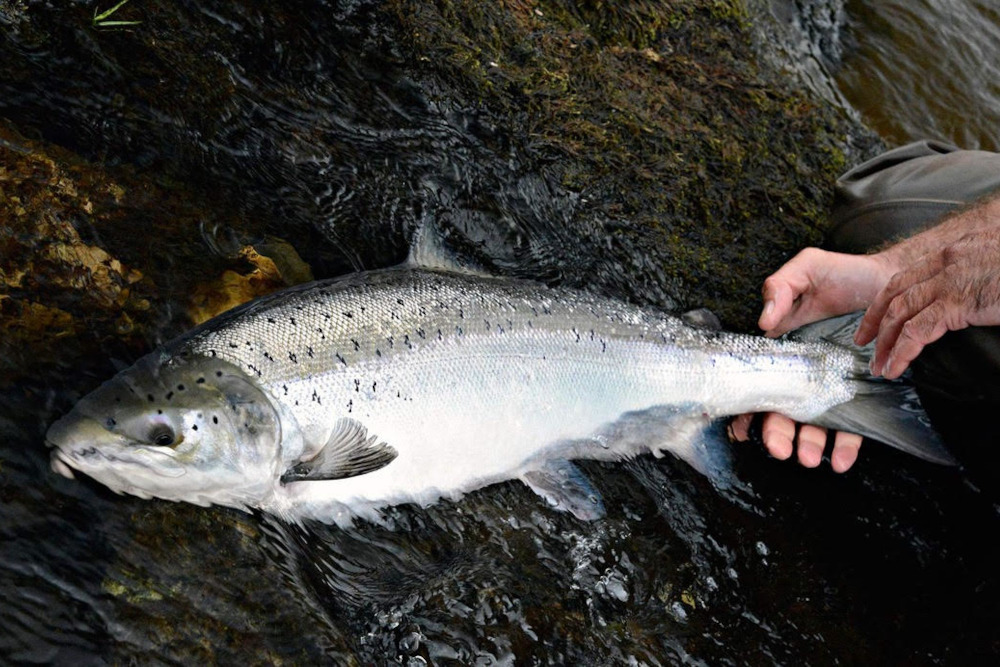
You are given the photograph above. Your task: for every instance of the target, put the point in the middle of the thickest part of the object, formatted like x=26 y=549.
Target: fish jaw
x=81 y=443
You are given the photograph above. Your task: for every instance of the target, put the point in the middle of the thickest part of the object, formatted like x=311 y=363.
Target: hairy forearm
x=981 y=215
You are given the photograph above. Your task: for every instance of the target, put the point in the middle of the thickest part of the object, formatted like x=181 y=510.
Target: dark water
x=893 y=563
x=925 y=69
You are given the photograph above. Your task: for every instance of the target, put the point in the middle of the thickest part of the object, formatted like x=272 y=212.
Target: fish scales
x=429 y=361
x=334 y=399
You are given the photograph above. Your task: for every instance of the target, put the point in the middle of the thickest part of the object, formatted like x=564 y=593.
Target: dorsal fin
x=428 y=251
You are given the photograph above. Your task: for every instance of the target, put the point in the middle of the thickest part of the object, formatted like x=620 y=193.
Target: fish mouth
x=60 y=463
x=81 y=443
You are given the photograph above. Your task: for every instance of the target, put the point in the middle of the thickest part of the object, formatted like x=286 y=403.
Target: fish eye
x=161 y=435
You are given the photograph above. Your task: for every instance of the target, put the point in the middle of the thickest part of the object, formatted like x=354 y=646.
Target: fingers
x=779 y=435
x=912 y=311
x=922 y=329
x=739 y=427
x=845 y=451
x=779 y=302
x=900 y=282
x=812 y=442
x=784 y=288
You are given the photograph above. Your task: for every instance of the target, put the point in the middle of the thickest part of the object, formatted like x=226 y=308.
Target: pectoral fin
x=564 y=487
x=349 y=452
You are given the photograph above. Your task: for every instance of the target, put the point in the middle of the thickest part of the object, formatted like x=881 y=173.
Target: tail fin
x=885 y=410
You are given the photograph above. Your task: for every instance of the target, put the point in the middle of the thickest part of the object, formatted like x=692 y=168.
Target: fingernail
x=768 y=309
x=888 y=363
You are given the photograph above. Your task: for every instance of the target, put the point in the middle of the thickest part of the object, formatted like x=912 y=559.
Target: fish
x=336 y=399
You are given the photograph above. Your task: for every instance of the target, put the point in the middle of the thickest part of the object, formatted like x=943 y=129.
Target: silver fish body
x=334 y=399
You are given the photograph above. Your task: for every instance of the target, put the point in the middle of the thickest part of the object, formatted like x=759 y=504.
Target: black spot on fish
x=378 y=352
x=270 y=320
x=373 y=386
x=267 y=355
x=110 y=423
x=357 y=346
x=357 y=385
x=159 y=412
x=348 y=314
x=233 y=345
x=200 y=380
x=309 y=351
x=215 y=420
x=350 y=405
x=389 y=338
x=340 y=358
x=420 y=332
x=285 y=387
x=399 y=301
x=180 y=387
x=292 y=320
x=218 y=374
x=315 y=397
x=212 y=352
x=194 y=427
x=170 y=395
x=293 y=358
x=406 y=339
x=150 y=397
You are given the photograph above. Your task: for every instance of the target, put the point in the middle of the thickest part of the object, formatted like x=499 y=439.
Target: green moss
x=658 y=112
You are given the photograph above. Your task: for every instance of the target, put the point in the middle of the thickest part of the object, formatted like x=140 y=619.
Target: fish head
x=174 y=427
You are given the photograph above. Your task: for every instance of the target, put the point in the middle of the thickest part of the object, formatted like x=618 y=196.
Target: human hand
x=813 y=285
x=948 y=289
x=817 y=284
x=779 y=435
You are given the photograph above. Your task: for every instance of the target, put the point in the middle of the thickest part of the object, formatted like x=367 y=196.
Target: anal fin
x=349 y=451
x=684 y=430
x=565 y=488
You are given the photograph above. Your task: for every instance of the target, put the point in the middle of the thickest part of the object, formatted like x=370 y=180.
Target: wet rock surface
x=643 y=152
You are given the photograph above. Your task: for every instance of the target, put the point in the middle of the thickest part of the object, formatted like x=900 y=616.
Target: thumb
x=779 y=298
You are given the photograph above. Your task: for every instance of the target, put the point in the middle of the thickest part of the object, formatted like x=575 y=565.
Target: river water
x=925 y=69
x=893 y=563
